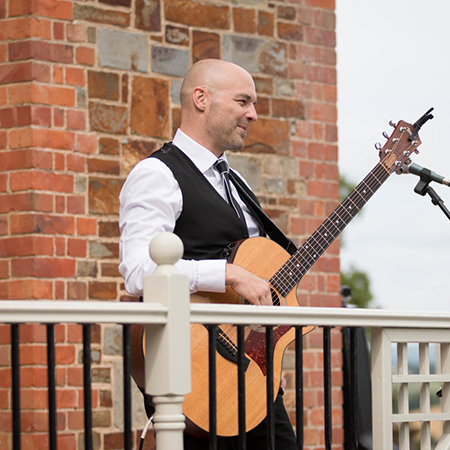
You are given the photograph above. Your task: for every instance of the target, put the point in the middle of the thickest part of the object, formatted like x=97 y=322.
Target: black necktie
x=224 y=170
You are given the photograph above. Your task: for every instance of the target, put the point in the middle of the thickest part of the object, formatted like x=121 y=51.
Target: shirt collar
x=200 y=156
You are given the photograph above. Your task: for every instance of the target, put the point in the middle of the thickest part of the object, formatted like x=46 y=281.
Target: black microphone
x=415 y=169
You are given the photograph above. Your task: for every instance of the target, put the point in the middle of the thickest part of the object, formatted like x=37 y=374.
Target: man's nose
x=252 y=115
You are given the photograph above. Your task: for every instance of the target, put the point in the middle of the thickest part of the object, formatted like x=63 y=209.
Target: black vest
x=207 y=223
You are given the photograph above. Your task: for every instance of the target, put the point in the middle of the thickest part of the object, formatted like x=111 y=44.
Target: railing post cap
x=166 y=248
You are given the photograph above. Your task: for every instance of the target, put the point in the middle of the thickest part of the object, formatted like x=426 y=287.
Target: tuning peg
x=416 y=151
x=392 y=124
x=385 y=135
x=378 y=146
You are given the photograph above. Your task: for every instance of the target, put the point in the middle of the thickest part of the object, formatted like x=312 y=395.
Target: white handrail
x=340 y=317
x=68 y=311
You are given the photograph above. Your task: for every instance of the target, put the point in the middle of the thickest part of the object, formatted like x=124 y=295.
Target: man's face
x=232 y=109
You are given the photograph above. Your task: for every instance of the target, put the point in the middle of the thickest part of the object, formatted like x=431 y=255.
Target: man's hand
x=250 y=287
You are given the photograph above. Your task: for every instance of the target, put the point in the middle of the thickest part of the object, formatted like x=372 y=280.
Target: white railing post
x=167 y=347
x=381 y=390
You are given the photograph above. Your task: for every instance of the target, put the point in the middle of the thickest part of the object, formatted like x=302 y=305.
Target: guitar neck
x=289 y=275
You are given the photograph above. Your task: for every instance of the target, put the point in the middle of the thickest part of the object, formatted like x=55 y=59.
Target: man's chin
x=237 y=146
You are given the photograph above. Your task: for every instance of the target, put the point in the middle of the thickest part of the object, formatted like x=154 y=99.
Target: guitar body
x=262 y=257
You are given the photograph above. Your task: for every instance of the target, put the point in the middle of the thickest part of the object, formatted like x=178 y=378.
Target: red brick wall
x=87 y=89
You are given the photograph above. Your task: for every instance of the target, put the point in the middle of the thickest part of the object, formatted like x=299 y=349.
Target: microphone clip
x=419 y=123
x=422 y=186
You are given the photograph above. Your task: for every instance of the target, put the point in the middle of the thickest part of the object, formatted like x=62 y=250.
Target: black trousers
x=256 y=438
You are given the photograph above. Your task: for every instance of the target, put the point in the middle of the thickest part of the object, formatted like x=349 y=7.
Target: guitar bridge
x=228 y=350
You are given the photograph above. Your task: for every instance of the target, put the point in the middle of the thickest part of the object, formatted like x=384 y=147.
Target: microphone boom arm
x=423 y=187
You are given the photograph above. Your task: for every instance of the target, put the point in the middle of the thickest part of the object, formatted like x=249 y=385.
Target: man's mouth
x=244 y=128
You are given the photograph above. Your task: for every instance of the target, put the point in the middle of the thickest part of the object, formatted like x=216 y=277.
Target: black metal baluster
x=299 y=386
x=270 y=409
x=349 y=430
x=213 y=329
x=354 y=388
x=327 y=386
x=87 y=387
x=51 y=377
x=127 y=438
x=15 y=375
x=242 y=440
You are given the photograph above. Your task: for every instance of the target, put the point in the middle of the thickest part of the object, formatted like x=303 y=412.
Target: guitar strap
x=270 y=228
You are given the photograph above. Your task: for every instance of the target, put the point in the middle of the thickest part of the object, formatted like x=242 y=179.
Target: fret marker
x=298 y=265
x=290 y=274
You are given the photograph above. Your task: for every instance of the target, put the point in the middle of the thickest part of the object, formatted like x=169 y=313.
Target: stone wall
x=87 y=89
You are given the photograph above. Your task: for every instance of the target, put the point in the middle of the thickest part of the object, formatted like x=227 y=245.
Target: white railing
x=167 y=314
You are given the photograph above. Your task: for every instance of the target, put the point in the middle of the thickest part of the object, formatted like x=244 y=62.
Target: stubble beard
x=226 y=136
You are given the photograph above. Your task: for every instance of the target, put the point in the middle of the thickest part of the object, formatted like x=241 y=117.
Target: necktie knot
x=222 y=166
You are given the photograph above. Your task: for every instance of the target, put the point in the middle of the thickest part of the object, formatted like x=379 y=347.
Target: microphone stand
x=423 y=187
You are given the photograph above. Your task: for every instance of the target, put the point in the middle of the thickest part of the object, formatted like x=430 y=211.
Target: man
x=176 y=189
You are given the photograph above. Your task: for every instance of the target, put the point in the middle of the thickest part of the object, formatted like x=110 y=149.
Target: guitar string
x=344 y=208
x=335 y=221
x=227 y=339
x=228 y=328
x=318 y=238
x=330 y=221
x=224 y=334
x=356 y=191
x=374 y=180
x=372 y=183
x=313 y=257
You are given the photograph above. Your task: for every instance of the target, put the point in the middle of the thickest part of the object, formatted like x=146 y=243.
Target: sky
x=394 y=64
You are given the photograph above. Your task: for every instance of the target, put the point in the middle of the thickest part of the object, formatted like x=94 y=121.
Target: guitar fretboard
x=290 y=274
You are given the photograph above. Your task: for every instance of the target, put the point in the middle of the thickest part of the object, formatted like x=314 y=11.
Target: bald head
x=217 y=104
x=212 y=74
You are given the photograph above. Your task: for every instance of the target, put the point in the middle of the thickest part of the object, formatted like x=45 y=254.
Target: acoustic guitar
x=268 y=260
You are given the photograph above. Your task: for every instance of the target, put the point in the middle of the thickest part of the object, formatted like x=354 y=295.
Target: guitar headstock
x=403 y=141
x=399 y=147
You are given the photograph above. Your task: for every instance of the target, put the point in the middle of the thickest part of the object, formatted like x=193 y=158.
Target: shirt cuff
x=211 y=275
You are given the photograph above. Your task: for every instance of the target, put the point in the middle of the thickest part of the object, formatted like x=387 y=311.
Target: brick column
x=87 y=89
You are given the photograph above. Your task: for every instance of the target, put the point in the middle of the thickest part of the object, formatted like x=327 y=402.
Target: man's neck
x=200 y=140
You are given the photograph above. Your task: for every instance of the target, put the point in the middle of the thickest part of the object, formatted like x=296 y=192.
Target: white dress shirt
x=151 y=202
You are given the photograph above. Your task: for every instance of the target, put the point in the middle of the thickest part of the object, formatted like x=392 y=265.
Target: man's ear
x=199 y=98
